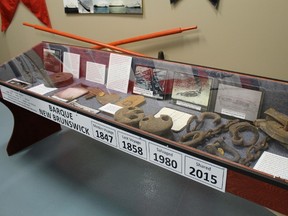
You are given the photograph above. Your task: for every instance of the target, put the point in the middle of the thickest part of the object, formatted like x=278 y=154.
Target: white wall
x=245 y=36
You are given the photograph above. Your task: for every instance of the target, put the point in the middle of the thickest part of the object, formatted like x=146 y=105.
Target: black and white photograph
x=150 y=81
x=236 y=101
x=19 y=83
x=103 y=6
x=192 y=89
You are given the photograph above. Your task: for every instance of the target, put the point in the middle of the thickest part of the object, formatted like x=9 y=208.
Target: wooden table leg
x=28 y=128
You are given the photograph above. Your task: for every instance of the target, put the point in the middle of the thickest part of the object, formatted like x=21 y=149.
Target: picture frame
x=192 y=91
x=150 y=82
x=19 y=83
x=103 y=6
x=235 y=100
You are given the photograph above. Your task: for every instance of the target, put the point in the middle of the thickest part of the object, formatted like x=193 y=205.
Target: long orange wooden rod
x=149 y=36
x=87 y=40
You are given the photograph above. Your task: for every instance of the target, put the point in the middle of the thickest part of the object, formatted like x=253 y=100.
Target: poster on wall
x=103 y=6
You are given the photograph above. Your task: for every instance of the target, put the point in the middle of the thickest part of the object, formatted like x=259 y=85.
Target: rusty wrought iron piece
x=279 y=117
x=129 y=116
x=193 y=138
x=220 y=143
x=239 y=127
x=208 y=115
x=273 y=129
x=224 y=127
x=192 y=119
x=199 y=121
x=159 y=126
x=254 y=152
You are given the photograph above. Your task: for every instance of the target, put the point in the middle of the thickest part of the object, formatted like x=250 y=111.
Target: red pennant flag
x=7 y=10
x=37 y=7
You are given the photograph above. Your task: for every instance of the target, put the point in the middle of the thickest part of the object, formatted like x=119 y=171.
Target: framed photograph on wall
x=103 y=6
x=192 y=91
x=150 y=82
x=236 y=101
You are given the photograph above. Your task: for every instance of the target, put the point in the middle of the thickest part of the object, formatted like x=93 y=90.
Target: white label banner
x=165 y=157
x=196 y=169
x=206 y=173
x=134 y=145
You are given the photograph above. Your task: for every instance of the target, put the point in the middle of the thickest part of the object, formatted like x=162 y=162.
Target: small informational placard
x=95 y=72
x=71 y=64
x=104 y=133
x=205 y=172
x=188 y=105
x=164 y=157
x=134 y=145
x=273 y=164
x=110 y=108
x=41 y=89
x=119 y=72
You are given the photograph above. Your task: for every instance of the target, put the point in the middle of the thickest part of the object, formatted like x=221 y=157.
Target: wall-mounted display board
x=223 y=129
x=103 y=6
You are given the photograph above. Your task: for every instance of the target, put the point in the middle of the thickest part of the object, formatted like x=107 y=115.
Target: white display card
x=273 y=164
x=110 y=108
x=119 y=72
x=95 y=72
x=71 y=64
x=41 y=89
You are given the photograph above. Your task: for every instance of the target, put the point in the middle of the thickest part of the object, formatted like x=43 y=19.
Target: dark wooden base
x=28 y=128
x=257 y=191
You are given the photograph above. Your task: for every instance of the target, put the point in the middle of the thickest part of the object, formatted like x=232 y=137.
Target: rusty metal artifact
x=254 y=152
x=159 y=126
x=235 y=130
x=219 y=145
x=193 y=138
x=275 y=126
x=129 y=116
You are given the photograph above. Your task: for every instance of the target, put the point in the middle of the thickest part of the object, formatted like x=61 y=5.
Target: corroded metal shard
x=280 y=117
x=220 y=144
x=129 y=116
x=274 y=130
x=159 y=126
x=239 y=127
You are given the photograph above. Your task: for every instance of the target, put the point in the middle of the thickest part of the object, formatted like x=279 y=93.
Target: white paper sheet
x=110 y=108
x=95 y=72
x=119 y=72
x=41 y=89
x=71 y=64
x=273 y=164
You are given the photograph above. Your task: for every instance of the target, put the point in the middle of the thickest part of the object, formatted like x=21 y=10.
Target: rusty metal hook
x=193 y=138
x=213 y=148
x=235 y=130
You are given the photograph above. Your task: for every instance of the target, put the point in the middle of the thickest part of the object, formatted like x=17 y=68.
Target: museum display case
x=224 y=129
